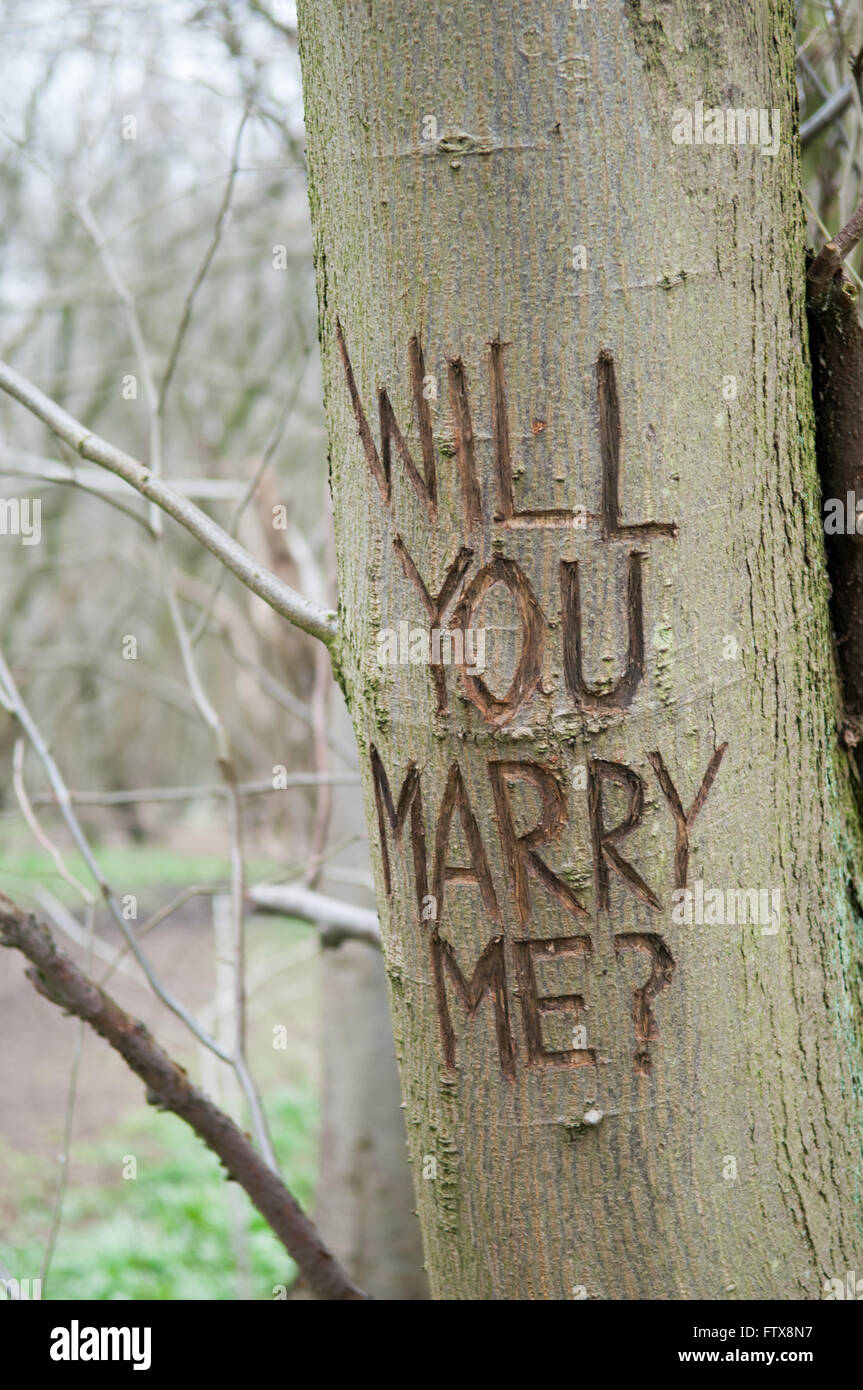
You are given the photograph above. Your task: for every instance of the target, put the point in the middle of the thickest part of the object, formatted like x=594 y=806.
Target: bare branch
x=201 y=272
x=72 y=481
x=832 y=107
x=833 y=253
x=21 y=464
x=342 y=921
x=55 y=975
x=12 y=701
x=215 y=789
x=284 y=600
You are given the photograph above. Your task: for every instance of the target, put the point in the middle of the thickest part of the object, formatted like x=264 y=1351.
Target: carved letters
x=500 y=709
x=438 y=869
x=528 y=671
x=533 y=1005
x=528 y=873
x=519 y=851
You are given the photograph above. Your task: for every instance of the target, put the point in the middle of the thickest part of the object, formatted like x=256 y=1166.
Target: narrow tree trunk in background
x=836 y=343
x=595 y=445
x=366 y=1210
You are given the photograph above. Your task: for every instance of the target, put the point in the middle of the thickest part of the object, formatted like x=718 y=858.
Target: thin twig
x=216 y=789
x=11 y=698
x=36 y=830
x=82 y=487
x=161 y=915
x=281 y=694
x=832 y=107
x=833 y=253
x=274 y=591
x=57 y=978
x=66 y=922
x=68 y=1127
x=201 y=272
x=88 y=939
x=250 y=490
x=85 y=213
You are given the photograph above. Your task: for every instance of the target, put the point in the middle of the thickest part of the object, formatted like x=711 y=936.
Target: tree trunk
x=366 y=1209
x=569 y=410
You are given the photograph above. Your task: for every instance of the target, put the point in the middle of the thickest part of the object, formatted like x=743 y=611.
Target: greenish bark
x=682 y=1120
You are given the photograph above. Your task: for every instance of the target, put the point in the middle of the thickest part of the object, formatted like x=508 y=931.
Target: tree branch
x=55 y=975
x=831 y=108
x=133 y=795
x=200 y=275
x=832 y=254
x=318 y=622
x=343 y=921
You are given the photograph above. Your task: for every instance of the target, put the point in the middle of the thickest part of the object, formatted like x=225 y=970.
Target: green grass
x=128 y=868
x=165 y=1234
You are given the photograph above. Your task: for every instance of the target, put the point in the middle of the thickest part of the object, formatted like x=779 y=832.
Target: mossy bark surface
x=602 y=1101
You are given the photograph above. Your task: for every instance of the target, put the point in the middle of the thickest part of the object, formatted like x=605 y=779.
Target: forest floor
x=175 y=1230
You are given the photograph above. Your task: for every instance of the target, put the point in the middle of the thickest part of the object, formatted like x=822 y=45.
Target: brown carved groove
x=425 y=483
x=604 y=840
x=534 y=1005
x=520 y=851
x=464 y=443
x=489 y=978
x=610 y=437
x=661 y=971
x=435 y=606
x=455 y=798
x=409 y=802
x=684 y=820
x=573 y=642
x=498 y=710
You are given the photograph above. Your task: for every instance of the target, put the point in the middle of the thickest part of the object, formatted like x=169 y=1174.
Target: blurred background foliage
x=180 y=124
x=830 y=92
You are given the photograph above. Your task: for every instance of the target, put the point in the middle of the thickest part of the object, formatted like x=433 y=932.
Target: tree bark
x=569 y=405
